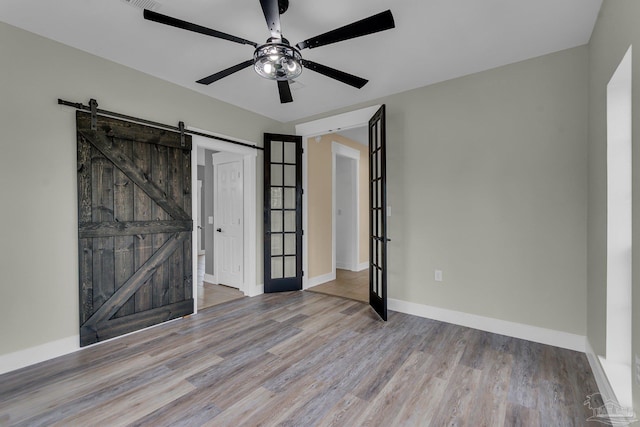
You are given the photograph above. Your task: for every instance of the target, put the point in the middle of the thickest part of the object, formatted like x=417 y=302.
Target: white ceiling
x=434 y=40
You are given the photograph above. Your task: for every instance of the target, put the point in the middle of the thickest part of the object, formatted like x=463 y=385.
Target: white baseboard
x=353 y=267
x=39 y=353
x=503 y=327
x=210 y=278
x=344 y=266
x=319 y=280
x=598 y=372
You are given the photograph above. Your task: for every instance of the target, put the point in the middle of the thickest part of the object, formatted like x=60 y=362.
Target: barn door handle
x=219 y=230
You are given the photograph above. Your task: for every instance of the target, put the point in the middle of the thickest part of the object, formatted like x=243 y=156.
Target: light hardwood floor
x=210 y=295
x=348 y=284
x=303 y=359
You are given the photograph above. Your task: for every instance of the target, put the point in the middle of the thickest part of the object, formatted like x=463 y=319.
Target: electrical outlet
x=438 y=275
x=637 y=370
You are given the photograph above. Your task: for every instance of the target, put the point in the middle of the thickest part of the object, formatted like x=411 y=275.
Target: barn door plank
x=131 y=228
x=101 y=142
x=123 y=213
x=134 y=227
x=103 y=251
x=143 y=246
x=85 y=245
x=175 y=191
x=160 y=280
x=187 y=248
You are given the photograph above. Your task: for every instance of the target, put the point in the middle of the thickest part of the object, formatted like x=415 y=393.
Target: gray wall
x=616 y=29
x=487 y=179
x=38 y=170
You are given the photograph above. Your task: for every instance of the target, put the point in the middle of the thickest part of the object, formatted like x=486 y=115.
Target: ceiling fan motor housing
x=277 y=60
x=283 y=5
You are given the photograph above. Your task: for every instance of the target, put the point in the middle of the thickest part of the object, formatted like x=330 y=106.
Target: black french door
x=282 y=213
x=377 y=214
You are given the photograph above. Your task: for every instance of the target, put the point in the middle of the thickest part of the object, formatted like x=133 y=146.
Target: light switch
x=388 y=210
x=210 y=220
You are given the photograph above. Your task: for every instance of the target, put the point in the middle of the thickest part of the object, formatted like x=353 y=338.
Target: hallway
x=348 y=284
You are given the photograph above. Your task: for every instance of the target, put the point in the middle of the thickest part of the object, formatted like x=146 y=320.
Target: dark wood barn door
x=134 y=227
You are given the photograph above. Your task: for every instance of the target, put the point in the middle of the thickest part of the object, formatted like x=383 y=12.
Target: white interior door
x=228 y=219
x=199 y=218
x=346 y=213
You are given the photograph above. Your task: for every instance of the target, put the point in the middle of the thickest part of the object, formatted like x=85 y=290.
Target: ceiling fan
x=277 y=59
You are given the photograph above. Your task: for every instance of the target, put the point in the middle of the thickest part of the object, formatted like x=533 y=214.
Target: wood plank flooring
x=348 y=284
x=303 y=359
x=210 y=295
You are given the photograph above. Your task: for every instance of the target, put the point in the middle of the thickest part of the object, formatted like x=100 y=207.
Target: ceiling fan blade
x=224 y=73
x=285 y=91
x=346 y=78
x=272 y=16
x=373 y=24
x=178 y=23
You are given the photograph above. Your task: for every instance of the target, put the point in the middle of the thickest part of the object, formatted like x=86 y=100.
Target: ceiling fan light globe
x=292 y=66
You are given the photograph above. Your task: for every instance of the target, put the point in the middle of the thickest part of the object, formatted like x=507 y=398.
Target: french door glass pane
x=276 y=267
x=289 y=175
x=289 y=152
x=289 y=244
x=276 y=244
x=276 y=175
x=289 y=198
x=276 y=198
x=290 y=266
x=276 y=152
x=276 y=221
x=290 y=221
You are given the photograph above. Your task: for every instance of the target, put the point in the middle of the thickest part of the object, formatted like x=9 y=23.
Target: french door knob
x=219 y=230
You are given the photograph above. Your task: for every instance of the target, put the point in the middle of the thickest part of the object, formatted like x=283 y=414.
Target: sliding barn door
x=377 y=214
x=134 y=227
x=282 y=213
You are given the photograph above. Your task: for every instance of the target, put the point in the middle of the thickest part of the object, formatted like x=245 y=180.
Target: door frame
x=249 y=167
x=219 y=158
x=344 y=121
x=353 y=155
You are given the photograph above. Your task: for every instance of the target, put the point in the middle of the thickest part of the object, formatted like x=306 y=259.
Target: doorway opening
x=337 y=212
x=617 y=363
x=225 y=265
